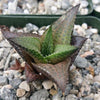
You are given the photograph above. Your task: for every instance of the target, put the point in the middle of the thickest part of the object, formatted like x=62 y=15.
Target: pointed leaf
x=58 y=72
x=60 y=53
x=63 y=27
x=31 y=75
x=47 y=43
x=17 y=66
x=28 y=42
x=32 y=46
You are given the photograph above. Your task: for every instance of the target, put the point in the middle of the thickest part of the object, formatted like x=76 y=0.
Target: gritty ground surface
x=84 y=73
x=41 y=6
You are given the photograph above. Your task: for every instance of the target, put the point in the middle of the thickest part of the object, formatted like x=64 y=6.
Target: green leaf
x=28 y=42
x=60 y=53
x=37 y=56
x=32 y=46
x=47 y=43
x=63 y=27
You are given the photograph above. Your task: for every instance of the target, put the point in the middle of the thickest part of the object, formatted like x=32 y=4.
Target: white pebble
x=74 y=2
x=58 y=4
x=15 y=55
x=41 y=32
x=80 y=30
x=26 y=11
x=97 y=78
x=16 y=73
x=65 y=5
x=12 y=29
x=76 y=27
x=93 y=30
x=12 y=7
x=20 y=31
x=35 y=28
x=1 y=37
x=84 y=4
x=47 y=84
x=97 y=8
x=47 y=26
x=28 y=6
x=35 y=32
x=24 y=85
x=54 y=9
x=96 y=1
x=84 y=11
x=20 y=92
x=84 y=26
x=96 y=96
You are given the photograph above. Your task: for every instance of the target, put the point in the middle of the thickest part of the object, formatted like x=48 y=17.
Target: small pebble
x=1 y=37
x=41 y=94
x=97 y=78
x=12 y=29
x=88 y=53
x=84 y=11
x=3 y=80
x=47 y=84
x=85 y=89
x=15 y=82
x=53 y=92
x=56 y=97
x=84 y=25
x=96 y=96
x=54 y=9
x=76 y=78
x=23 y=98
x=7 y=94
x=20 y=92
x=37 y=85
x=41 y=32
x=20 y=31
x=8 y=86
x=96 y=1
x=71 y=97
x=74 y=91
x=97 y=8
x=84 y=4
x=24 y=85
x=81 y=62
x=93 y=30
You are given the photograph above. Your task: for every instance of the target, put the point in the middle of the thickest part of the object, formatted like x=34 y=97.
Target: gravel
x=56 y=97
x=15 y=82
x=81 y=62
x=41 y=94
x=3 y=80
x=24 y=85
x=96 y=5
x=41 y=6
x=84 y=73
x=7 y=94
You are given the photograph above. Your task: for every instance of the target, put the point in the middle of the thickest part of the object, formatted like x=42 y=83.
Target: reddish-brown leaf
x=31 y=75
x=17 y=66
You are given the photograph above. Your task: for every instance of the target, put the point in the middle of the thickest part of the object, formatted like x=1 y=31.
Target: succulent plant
x=52 y=53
